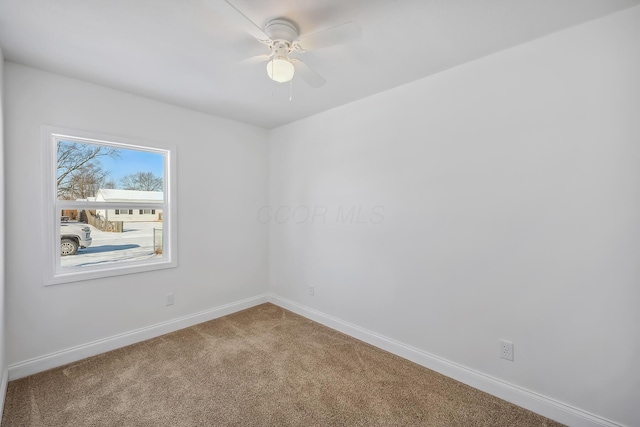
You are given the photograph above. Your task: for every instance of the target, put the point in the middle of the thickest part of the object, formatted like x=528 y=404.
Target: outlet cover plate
x=506 y=350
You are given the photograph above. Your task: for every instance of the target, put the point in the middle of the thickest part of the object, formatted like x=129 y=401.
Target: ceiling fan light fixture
x=280 y=70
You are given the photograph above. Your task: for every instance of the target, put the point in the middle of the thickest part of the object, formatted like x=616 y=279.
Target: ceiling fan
x=282 y=38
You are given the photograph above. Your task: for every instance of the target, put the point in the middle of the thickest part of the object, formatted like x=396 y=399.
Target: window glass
x=84 y=245
x=84 y=168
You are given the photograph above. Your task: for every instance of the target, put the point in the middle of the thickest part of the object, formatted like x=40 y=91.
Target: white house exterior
x=129 y=214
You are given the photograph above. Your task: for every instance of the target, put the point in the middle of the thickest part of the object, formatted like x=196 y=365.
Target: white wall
x=222 y=182
x=509 y=193
x=3 y=366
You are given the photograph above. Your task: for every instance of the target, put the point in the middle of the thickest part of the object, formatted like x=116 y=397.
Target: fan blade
x=255 y=60
x=337 y=35
x=230 y=13
x=308 y=74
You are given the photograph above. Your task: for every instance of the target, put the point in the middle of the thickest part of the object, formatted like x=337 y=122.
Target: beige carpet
x=260 y=367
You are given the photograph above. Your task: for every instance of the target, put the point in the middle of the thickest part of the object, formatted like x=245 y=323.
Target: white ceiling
x=185 y=53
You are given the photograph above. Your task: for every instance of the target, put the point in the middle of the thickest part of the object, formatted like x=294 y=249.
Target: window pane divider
x=70 y=204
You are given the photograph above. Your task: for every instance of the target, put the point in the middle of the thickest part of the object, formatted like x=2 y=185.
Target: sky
x=132 y=161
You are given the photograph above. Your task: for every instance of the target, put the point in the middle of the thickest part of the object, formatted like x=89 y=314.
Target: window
x=89 y=233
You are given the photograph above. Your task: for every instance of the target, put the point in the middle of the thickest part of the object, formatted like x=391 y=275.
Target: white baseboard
x=527 y=399
x=60 y=358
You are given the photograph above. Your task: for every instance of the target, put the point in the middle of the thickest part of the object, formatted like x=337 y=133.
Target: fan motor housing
x=281 y=29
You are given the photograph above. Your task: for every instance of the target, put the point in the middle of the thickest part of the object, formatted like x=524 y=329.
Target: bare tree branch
x=79 y=171
x=145 y=181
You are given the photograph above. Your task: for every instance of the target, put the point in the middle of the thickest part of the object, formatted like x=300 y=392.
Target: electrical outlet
x=311 y=290
x=169 y=298
x=506 y=350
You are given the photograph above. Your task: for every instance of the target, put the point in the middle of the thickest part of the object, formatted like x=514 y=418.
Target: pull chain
x=290 y=90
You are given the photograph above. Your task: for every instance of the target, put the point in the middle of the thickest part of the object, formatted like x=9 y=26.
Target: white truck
x=74 y=235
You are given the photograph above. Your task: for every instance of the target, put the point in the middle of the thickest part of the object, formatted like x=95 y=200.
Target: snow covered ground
x=134 y=243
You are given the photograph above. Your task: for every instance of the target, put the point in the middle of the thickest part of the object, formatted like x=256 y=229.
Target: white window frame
x=54 y=273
